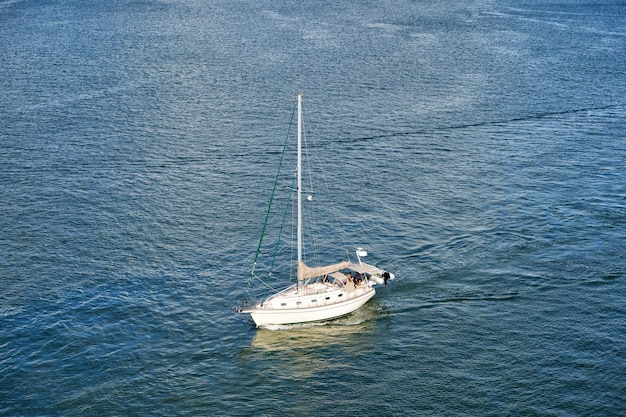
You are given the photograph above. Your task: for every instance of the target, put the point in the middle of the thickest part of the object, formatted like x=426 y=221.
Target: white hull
x=272 y=312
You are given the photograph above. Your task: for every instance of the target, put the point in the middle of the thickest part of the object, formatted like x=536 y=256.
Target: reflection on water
x=301 y=351
x=308 y=336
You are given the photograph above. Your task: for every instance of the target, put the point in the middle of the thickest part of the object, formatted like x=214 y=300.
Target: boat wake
x=521 y=118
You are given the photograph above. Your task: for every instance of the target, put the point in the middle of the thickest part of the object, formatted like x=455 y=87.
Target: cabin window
x=283 y=304
x=328 y=298
x=340 y=295
x=314 y=301
x=298 y=302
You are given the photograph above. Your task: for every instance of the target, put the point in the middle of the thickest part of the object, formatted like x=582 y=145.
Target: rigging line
x=280 y=231
x=268 y=286
x=269 y=206
x=331 y=201
x=293 y=247
x=311 y=205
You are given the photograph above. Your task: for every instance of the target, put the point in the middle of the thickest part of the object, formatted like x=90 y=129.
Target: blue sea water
x=481 y=150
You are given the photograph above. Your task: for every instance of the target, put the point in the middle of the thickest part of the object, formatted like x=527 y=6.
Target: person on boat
x=358 y=279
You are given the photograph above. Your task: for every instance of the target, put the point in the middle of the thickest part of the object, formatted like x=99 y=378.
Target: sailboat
x=322 y=292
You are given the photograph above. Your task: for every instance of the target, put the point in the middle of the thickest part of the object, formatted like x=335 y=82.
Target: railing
x=307 y=302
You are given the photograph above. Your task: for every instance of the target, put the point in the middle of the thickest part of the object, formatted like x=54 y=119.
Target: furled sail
x=305 y=272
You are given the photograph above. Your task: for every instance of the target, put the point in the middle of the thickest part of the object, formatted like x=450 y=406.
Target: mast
x=299 y=169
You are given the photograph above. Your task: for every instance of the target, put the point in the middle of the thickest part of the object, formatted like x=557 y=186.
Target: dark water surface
x=481 y=147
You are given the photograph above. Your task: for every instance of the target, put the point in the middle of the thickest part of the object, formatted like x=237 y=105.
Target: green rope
x=282 y=225
x=269 y=207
